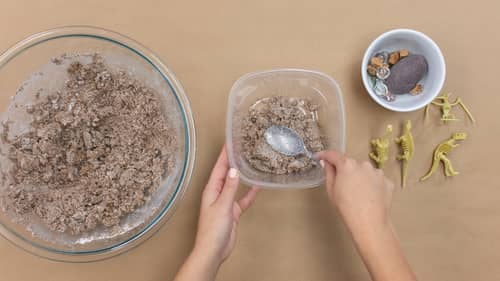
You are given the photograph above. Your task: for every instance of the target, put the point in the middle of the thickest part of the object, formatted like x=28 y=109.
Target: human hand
x=220 y=212
x=361 y=193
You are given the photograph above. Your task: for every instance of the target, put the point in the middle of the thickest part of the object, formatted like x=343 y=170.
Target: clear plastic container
x=313 y=85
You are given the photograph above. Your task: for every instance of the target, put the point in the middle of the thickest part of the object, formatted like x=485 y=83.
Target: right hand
x=363 y=197
x=361 y=193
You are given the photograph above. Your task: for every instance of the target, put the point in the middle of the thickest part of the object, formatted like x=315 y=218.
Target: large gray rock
x=406 y=73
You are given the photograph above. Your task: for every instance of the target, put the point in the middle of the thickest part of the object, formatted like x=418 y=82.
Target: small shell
x=380 y=88
x=383 y=72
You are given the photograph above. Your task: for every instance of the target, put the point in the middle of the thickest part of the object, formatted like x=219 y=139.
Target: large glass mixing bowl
x=24 y=68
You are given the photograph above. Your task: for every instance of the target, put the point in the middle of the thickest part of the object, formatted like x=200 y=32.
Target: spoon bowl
x=286 y=141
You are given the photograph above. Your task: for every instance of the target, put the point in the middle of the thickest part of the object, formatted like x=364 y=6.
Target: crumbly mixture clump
x=95 y=151
x=295 y=113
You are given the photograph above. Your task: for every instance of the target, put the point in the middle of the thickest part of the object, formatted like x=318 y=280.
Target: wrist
x=208 y=259
x=381 y=252
x=198 y=266
x=374 y=237
x=371 y=231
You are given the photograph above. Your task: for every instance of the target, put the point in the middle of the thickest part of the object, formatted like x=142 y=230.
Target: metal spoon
x=286 y=141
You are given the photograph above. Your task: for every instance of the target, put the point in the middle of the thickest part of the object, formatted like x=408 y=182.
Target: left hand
x=220 y=212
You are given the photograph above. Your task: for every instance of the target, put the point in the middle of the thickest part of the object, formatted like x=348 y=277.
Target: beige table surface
x=449 y=228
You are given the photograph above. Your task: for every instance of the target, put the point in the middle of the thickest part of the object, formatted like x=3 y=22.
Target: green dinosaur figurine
x=446 y=106
x=381 y=147
x=440 y=155
x=408 y=149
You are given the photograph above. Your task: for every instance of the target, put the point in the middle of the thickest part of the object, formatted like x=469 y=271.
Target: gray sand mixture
x=95 y=151
x=295 y=113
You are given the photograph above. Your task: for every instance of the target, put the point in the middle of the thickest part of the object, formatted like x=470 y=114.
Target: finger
x=330 y=174
x=367 y=164
x=333 y=157
x=380 y=172
x=389 y=190
x=230 y=188
x=218 y=175
x=389 y=184
x=246 y=201
x=217 y=178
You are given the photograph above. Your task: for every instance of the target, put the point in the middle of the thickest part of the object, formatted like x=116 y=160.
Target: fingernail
x=315 y=156
x=322 y=163
x=233 y=173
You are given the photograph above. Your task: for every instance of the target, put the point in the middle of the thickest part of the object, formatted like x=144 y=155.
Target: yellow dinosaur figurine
x=440 y=155
x=446 y=106
x=381 y=148
x=408 y=149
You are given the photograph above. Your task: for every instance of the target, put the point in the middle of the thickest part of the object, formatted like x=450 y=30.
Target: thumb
x=333 y=157
x=330 y=175
x=230 y=188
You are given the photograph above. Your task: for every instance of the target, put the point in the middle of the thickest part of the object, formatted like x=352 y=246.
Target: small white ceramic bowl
x=417 y=43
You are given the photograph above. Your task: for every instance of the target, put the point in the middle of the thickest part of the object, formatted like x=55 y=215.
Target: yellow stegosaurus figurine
x=381 y=148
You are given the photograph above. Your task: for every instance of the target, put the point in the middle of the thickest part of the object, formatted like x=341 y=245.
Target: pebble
x=406 y=73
